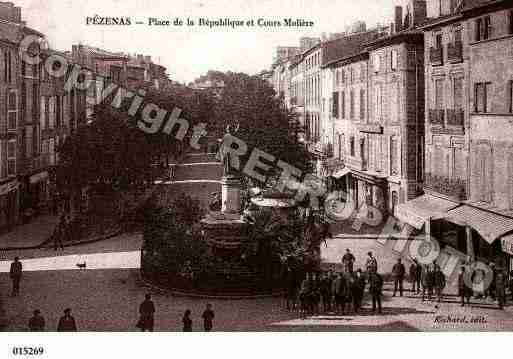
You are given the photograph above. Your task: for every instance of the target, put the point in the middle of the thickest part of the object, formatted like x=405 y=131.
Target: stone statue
x=224 y=151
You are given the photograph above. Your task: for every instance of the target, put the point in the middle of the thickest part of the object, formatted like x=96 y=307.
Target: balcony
x=455 y=118
x=33 y=164
x=436 y=117
x=436 y=56
x=454 y=188
x=455 y=52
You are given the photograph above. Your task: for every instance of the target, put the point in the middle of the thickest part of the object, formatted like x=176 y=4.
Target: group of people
x=66 y=323
x=62 y=232
x=340 y=292
x=147 y=317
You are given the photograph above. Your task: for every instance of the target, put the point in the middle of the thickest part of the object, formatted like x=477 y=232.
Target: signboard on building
x=371 y=128
x=507 y=244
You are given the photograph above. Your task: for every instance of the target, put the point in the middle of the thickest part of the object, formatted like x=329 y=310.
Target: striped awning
x=418 y=210
x=489 y=225
x=341 y=173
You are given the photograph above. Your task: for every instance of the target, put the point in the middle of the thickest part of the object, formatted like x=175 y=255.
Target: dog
x=81 y=265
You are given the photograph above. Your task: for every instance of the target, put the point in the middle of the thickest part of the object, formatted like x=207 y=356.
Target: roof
x=401 y=36
x=467 y=5
x=346 y=47
x=420 y=209
x=488 y=224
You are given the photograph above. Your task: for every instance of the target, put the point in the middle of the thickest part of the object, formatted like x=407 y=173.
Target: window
x=351 y=146
x=458 y=93
x=393 y=60
x=51 y=151
x=12 y=111
x=58 y=111
x=377 y=102
x=342 y=105
x=482 y=91
x=510 y=96
x=36 y=141
x=439 y=94
x=335 y=105
x=457 y=34
x=35 y=104
x=376 y=63
x=343 y=77
x=29 y=141
x=362 y=104
x=438 y=40
x=11 y=158
x=51 y=112
x=510 y=22
x=42 y=113
x=351 y=104
x=362 y=72
x=394 y=160
x=483 y=28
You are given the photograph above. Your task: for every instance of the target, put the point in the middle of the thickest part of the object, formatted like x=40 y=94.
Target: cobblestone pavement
x=108 y=299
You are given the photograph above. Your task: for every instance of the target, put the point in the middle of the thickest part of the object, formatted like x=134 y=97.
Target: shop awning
x=507 y=244
x=341 y=173
x=489 y=225
x=419 y=210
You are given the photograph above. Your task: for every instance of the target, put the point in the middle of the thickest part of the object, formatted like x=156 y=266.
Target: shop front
x=489 y=233
x=9 y=193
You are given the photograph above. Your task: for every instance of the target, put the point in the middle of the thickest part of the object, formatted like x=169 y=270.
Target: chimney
x=418 y=10
x=391 y=29
x=398 y=18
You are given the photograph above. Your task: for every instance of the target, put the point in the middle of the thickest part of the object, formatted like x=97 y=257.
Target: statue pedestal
x=231 y=196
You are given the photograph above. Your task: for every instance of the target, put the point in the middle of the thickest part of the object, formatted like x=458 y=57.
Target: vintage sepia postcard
x=255 y=166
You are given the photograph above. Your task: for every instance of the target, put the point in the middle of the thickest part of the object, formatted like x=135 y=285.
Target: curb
x=85 y=241
x=180 y=293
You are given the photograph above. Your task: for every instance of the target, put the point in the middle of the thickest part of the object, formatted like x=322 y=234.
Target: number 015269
x=28 y=351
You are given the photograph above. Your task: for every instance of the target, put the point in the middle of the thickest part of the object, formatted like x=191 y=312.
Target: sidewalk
x=30 y=235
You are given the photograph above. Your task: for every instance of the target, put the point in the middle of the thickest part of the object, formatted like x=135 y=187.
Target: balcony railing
x=455 y=188
x=436 y=117
x=455 y=52
x=455 y=117
x=39 y=162
x=436 y=56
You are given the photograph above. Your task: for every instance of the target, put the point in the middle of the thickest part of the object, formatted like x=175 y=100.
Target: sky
x=190 y=51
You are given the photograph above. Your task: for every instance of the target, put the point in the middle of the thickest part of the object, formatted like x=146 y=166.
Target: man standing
x=427 y=282
x=15 y=274
x=500 y=287
x=147 y=313
x=348 y=261
x=37 y=322
x=339 y=290
x=438 y=282
x=375 y=289
x=463 y=291
x=208 y=318
x=358 y=290
x=415 y=276
x=59 y=233
x=371 y=264
x=398 y=272
x=67 y=322
x=326 y=292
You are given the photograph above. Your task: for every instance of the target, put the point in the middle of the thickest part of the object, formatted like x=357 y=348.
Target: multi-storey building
x=468 y=75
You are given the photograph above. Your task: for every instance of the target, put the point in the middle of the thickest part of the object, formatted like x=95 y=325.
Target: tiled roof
x=347 y=46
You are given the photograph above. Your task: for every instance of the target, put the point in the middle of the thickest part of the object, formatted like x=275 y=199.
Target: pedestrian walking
x=427 y=282
x=146 y=314
x=376 y=290
x=59 y=233
x=438 y=282
x=415 y=272
x=67 y=322
x=348 y=260
x=37 y=322
x=500 y=287
x=208 y=318
x=316 y=293
x=464 y=292
x=15 y=274
x=358 y=290
x=372 y=264
x=398 y=272
x=187 y=321
x=491 y=289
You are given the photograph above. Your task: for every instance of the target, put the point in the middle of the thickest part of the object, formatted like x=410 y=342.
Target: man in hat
x=463 y=290
x=398 y=272
x=500 y=287
x=372 y=264
x=348 y=261
x=15 y=274
x=67 y=322
x=37 y=322
x=415 y=272
x=375 y=289
x=438 y=282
